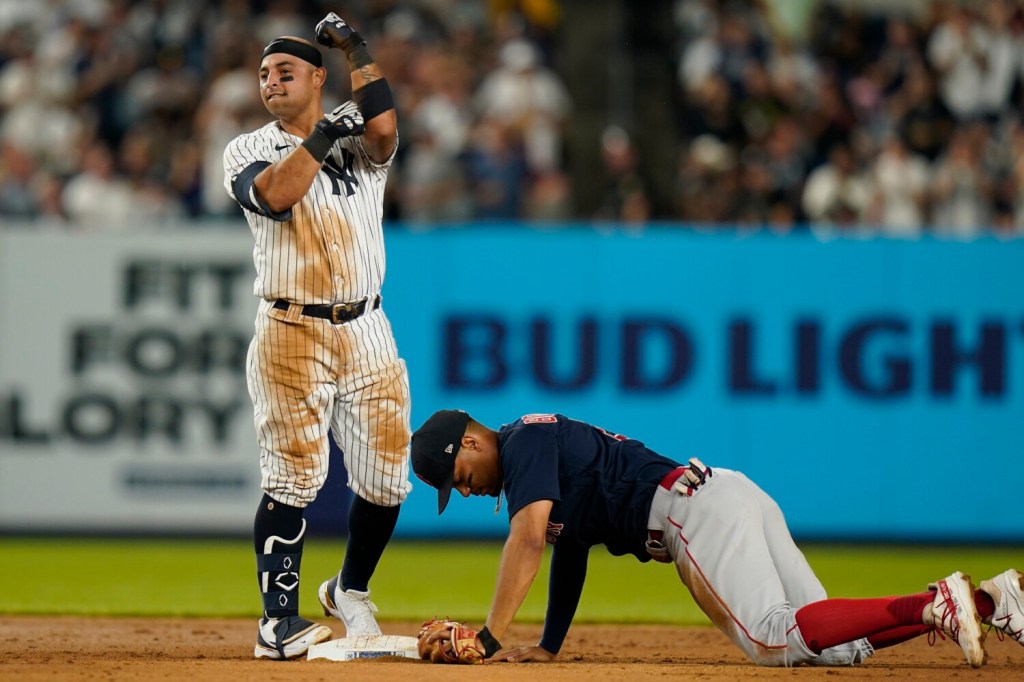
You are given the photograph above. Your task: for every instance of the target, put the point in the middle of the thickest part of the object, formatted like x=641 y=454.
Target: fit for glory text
x=149 y=374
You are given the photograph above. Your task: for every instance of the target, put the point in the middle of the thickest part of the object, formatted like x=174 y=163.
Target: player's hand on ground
x=522 y=654
x=332 y=31
x=347 y=120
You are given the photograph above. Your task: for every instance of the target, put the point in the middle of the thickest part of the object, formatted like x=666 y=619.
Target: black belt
x=337 y=313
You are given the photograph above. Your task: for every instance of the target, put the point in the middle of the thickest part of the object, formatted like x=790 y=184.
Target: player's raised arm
x=370 y=90
x=292 y=76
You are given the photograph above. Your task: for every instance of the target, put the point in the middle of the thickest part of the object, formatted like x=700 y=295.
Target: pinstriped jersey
x=329 y=247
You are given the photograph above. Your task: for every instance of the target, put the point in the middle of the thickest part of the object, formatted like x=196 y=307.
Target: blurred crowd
x=900 y=119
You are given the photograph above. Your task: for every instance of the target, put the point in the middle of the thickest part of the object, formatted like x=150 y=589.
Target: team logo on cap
x=450 y=448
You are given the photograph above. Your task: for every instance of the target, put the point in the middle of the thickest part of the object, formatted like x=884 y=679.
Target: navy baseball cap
x=434 y=447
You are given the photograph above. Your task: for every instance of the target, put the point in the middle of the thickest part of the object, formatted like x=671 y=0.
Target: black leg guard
x=277 y=536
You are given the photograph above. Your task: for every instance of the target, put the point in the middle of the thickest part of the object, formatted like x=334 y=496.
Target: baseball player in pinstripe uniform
x=323 y=355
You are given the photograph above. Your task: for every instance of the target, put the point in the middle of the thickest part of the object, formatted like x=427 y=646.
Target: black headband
x=306 y=53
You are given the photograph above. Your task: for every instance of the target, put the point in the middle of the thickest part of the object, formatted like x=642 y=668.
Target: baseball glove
x=448 y=641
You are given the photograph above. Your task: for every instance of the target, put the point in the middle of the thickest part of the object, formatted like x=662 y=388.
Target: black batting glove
x=334 y=32
x=347 y=120
x=344 y=121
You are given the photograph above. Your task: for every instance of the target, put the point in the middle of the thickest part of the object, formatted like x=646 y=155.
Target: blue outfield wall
x=875 y=388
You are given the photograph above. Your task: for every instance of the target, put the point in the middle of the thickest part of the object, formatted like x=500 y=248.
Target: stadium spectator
x=961 y=190
x=97 y=195
x=37 y=119
x=229 y=107
x=625 y=198
x=900 y=189
x=707 y=181
x=496 y=170
x=764 y=94
x=1013 y=184
x=974 y=60
x=836 y=192
x=17 y=171
x=918 y=115
x=728 y=51
x=431 y=182
x=529 y=101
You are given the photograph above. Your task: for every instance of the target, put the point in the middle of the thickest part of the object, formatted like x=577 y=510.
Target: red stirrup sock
x=982 y=600
x=831 y=622
x=985 y=604
x=892 y=636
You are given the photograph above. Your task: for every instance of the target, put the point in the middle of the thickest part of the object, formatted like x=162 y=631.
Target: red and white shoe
x=953 y=612
x=1007 y=590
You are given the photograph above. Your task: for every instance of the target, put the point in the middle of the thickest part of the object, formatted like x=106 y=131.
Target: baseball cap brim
x=434 y=448
x=444 y=493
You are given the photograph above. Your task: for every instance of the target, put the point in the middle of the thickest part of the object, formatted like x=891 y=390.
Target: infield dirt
x=77 y=648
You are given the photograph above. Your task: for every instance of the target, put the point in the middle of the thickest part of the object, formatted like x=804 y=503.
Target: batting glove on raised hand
x=333 y=31
x=347 y=119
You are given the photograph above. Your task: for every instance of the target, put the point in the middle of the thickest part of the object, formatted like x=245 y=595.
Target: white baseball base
x=365 y=646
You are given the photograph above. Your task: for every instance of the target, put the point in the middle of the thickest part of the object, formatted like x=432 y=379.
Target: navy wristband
x=491 y=645
x=351 y=42
x=320 y=141
x=358 y=57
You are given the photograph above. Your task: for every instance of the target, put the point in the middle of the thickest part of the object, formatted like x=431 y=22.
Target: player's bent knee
x=766 y=659
x=784 y=657
x=774 y=640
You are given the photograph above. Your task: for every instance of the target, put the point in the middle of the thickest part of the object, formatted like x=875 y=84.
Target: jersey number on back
x=341 y=174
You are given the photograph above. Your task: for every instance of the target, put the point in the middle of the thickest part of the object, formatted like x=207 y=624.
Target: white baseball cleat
x=953 y=612
x=1007 y=590
x=351 y=607
x=288 y=637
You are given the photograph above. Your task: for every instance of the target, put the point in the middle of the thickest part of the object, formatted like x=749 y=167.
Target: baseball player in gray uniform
x=323 y=356
x=575 y=485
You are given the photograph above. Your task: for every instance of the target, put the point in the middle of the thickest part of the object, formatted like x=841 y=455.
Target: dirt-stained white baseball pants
x=733 y=550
